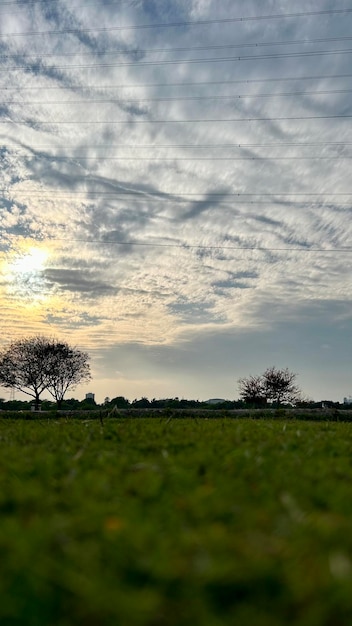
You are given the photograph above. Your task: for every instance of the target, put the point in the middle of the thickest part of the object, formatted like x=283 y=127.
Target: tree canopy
x=35 y=364
x=67 y=367
x=276 y=385
x=280 y=386
x=252 y=390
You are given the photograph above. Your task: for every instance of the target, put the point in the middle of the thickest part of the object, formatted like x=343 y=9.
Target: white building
x=90 y=396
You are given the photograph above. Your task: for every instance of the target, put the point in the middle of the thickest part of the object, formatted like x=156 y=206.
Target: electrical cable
x=172 y=159
x=185 y=121
x=188 y=84
x=190 y=23
x=284 y=144
x=279 y=55
x=201 y=247
x=165 y=195
x=131 y=51
x=180 y=98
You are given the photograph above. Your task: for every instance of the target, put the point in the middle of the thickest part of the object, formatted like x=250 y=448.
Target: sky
x=175 y=193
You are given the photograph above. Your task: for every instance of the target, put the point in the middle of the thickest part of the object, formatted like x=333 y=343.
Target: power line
x=172 y=159
x=190 y=83
x=279 y=55
x=25 y=2
x=21 y=4
x=293 y=42
x=181 y=98
x=109 y=2
x=164 y=195
x=191 y=23
x=186 y=246
x=195 y=146
x=185 y=121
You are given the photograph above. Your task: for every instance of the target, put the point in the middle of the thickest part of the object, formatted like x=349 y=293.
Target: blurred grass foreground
x=175 y=522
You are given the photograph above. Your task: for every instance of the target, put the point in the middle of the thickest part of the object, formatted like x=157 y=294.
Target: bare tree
x=252 y=390
x=35 y=364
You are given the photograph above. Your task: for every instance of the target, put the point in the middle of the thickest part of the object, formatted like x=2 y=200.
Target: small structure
x=327 y=404
x=90 y=396
x=347 y=400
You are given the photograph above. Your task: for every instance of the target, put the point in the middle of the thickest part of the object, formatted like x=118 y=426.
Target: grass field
x=175 y=522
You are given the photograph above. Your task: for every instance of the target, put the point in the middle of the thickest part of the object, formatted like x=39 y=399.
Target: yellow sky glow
x=28 y=262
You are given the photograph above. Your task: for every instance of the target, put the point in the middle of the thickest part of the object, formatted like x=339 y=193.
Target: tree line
x=37 y=364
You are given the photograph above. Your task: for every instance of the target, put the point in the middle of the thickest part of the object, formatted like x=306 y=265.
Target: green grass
x=175 y=522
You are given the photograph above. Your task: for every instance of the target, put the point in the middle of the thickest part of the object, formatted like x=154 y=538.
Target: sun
x=31 y=262
x=24 y=274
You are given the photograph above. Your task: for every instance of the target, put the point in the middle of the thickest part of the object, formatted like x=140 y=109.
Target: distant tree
x=47 y=405
x=252 y=390
x=88 y=404
x=35 y=364
x=67 y=367
x=277 y=385
x=71 y=404
x=120 y=402
x=143 y=403
x=17 y=405
x=23 y=366
x=280 y=386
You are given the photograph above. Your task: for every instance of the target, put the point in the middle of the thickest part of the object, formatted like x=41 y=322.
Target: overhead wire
x=180 y=98
x=261 y=57
x=22 y=4
x=131 y=51
x=108 y=2
x=172 y=159
x=186 y=83
x=186 y=246
x=184 y=121
x=161 y=196
x=172 y=195
x=189 y=23
x=283 y=144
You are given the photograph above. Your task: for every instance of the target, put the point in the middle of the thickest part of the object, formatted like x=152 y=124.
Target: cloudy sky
x=175 y=189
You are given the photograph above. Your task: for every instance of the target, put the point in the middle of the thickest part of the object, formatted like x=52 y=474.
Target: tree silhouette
x=35 y=364
x=277 y=385
x=67 y=368
x=252 y=390
x=280 y=386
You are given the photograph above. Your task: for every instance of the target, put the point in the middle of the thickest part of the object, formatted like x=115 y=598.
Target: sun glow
x=30 y=262
x=23 y=274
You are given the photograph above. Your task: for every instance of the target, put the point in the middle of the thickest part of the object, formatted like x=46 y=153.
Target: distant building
x=90 y=396
x=347 y=400
x=215 y=401
x=327 y=404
